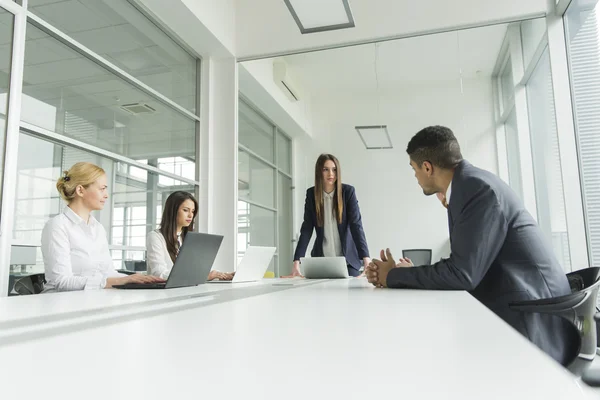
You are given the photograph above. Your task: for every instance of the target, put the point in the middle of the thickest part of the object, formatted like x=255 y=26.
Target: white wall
x=256 y=83
x=395 y=212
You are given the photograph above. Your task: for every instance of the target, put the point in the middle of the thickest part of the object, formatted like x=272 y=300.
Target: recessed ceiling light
x=320 y=15
x=374 y=136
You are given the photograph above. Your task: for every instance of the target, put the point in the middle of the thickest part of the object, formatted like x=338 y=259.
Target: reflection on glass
x=256 y=226
x=512 y=153
x=121 y=34
x=507 y=85
x=532 y=32
x=66 y=93
x=6 y=39
x=582 y=26
x=256 y=180
x=136 y=196
x=546 y=159
x=255 y=132
x=284 y=153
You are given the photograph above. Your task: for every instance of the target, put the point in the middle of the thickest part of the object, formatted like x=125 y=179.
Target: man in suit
x=498 y=253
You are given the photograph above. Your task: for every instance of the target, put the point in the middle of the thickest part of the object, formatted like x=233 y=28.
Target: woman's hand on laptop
x=135 y=278
x=229 y=275
x=222 y=276
x=295 y=271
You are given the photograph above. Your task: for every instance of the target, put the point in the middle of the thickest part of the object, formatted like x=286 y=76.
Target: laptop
x=192 y=265
x=324 y=267
x=252 y=268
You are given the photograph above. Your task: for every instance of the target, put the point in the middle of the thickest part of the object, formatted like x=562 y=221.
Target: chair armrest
x=548 y=306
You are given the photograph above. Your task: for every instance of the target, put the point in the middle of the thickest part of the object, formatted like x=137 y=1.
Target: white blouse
x=158 y=261
x=332 y=246
x=76 y=254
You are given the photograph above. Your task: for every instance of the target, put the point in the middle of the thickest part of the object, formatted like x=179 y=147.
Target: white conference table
x=338 y=339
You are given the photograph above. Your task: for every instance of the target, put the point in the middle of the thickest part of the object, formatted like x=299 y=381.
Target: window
x=256 y=133
x=583 y=45
x=101 y=83
x=134 y=207
x=264 y=188
x=507 y=86
x=66 y=93
x=117 y=31
x=512 y=153
x=546 y=160
x=6 y=39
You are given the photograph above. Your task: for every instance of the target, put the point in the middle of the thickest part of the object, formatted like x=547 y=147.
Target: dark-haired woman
x=331 y=209
x=162 y=245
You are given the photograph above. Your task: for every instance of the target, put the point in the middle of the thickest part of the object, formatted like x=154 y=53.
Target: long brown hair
x=338 y=202
x=168 y=223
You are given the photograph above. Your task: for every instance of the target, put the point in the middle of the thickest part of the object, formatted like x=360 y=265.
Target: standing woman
x=74 y=244
x=162 y=245
x=331 y=209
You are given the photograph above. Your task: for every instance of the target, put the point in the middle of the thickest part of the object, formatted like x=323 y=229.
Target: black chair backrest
x=584 y=278
x=31 y=284
x=418 y=256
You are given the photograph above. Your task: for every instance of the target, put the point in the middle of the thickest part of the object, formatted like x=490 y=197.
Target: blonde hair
x=82 y=173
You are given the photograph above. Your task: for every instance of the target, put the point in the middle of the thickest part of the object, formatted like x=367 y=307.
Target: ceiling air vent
x=138 y=108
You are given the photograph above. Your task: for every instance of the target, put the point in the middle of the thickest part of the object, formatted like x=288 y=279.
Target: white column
x=220 y=142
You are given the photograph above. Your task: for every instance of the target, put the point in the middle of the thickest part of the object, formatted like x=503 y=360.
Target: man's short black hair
x=436 y=144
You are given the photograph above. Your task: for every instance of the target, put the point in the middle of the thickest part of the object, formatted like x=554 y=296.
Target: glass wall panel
x=256 y=180
x=134 y=207
x=64 y=92
x=546 y=160
x=255 y=132
x=117 y=31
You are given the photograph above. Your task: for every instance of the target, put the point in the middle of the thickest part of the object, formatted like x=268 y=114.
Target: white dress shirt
x=76 y=254
x=158 y=260
x=448 y=193
x=332 y=246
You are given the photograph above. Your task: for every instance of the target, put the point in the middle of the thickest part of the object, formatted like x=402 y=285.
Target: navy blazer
x=352 y=235
x=498 y=254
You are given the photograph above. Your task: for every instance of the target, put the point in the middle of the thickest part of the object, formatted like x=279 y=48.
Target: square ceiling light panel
x=320 y=15
x=374 y=137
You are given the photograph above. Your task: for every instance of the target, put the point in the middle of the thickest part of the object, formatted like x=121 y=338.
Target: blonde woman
x=74 y=244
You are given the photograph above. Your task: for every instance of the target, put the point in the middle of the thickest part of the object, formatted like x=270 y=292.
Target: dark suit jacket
x=352 y=236
x=499 y=255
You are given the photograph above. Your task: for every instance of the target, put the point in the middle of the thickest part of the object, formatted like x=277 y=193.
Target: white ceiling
x=423 y=60
x=266 y=28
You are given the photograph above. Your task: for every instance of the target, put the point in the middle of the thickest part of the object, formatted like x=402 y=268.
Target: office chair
x=592 y=375
x=579 y=308
x=31 y=284
x=418 y=256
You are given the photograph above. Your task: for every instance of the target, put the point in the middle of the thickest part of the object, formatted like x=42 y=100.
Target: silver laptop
x=192 y=265
x=324 y=267
x=252 y=268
